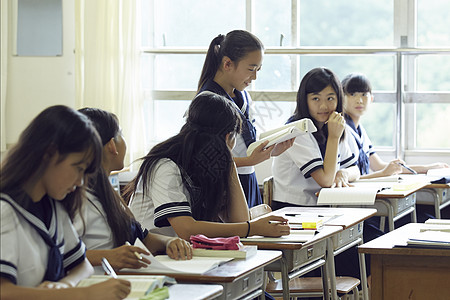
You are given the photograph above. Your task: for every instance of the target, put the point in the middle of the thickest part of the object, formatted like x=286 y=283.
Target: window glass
x=432 y=73
x=275 y=74
x=271 y=114
x=195 y=22
x=346 y=23
x=273 y=22
x=177 y=71
x=380 y=114
x=168 y=118
x=431 y=125
x=433 y=24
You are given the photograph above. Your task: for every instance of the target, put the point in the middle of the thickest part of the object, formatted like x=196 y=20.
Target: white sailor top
x=26 y=258
x=292 y=170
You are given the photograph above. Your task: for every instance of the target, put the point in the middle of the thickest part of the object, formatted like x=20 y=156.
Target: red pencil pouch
x=203 y=242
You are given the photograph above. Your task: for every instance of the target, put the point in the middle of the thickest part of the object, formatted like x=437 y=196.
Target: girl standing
x=230 y=66
x=41 y=184
x=106 y=224
x=317 y=159
x=188 y=184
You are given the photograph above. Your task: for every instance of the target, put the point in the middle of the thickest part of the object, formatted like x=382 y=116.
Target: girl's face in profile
x=322 y=104
x=63 y=177
x=245 y=70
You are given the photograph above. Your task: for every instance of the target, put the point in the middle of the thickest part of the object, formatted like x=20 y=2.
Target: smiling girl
x=231 y=64
x=318 y=159
x=41 y=184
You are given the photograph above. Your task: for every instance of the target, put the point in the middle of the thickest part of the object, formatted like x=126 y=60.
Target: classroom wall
x=34 y=83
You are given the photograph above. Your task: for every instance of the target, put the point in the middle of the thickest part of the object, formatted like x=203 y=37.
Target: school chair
x=301 y=286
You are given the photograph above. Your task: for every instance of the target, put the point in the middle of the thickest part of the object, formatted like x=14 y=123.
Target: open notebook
x=163 y=264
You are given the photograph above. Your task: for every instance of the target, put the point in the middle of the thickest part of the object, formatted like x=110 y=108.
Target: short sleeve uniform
x=292 y=170
x=166 y=196
x=24 y=253
x=359 y=144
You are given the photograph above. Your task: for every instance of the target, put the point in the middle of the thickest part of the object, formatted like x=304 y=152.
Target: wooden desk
x=440 y=196
x=407 y=273
x=351 y=220
x=301 y=258
x=195 y=291
x=240 y=278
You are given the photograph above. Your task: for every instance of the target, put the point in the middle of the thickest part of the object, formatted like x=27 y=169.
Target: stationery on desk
x=163 y=264
x=283 y=133
x=141 y=285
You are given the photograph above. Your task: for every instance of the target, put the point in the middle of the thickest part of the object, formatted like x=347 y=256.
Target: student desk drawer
x=242 y=286
x=398 y=204
x=347 y=236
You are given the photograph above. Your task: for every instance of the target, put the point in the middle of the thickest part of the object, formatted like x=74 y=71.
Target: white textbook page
x=347 y=196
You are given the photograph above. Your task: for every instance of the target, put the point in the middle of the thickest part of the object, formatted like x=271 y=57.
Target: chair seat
x=344 y=285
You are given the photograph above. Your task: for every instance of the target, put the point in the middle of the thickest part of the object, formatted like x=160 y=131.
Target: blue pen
x=407 y=168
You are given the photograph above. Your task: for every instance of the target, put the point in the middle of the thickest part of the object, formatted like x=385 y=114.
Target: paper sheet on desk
x=296 y=236
x=165 y=265
x=347 y=196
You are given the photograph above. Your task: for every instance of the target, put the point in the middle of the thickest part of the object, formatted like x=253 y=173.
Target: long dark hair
x=56 y=129
x=235 y=45
x=313 y=82
x=201 y=153
x=118 y=214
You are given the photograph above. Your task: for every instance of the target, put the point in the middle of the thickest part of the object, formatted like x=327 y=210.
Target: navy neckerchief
x=242 y=105
x=363 y=159
x=55 y=268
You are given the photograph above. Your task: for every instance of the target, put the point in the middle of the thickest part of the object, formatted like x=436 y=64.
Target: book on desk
x=434 y=233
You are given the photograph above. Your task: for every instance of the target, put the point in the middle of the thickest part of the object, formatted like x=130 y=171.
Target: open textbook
x=141 y=285
x=163 y=264
x=283 y=133
x=348 y=196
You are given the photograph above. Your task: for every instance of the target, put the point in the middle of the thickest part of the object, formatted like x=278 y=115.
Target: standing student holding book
x=230 y=66
x=188 y=184
x=105 y=223
x=358 y=97
x=319 y=159
x=41 y=183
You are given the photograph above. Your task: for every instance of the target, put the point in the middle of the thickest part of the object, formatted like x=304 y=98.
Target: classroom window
x=175 y=42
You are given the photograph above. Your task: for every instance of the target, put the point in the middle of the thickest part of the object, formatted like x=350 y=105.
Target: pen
x=107 y=268
x=407 y=168
x=135 y=253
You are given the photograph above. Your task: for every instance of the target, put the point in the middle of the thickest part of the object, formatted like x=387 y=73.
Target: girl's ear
x=51 y=151
x=227 y=63
x=111 y=147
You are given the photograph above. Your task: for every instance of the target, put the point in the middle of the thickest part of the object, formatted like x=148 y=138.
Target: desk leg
x=329 y=274
x=363 y=273
x=414 y=215
x=285 y=278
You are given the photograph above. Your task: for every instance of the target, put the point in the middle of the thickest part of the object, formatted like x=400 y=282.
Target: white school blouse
x=24 y=254
x=166 y=196
x=351 y=137
x=292 y=170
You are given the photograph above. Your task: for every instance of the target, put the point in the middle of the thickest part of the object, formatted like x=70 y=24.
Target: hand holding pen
x=407 y=168
x=128 y=256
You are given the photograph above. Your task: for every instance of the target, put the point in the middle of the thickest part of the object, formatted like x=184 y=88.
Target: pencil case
x=203 y=242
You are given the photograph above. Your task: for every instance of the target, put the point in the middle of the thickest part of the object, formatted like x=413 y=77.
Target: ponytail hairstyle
x=313 y=82
x=57 y=129
x=200 y=151
x=118 y=215
x=235 y=45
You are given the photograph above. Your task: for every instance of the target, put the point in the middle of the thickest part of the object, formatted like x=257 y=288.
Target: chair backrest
x=268 y=190
x=259 y=210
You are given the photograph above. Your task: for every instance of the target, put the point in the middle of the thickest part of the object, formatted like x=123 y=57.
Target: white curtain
x=4 y=71
x=107 y=59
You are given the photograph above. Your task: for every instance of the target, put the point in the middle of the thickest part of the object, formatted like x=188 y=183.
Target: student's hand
x=54 y=285
x=111 y=289
x=179 y=249
x=341 y=179
x=336 y=125
x=281 y=147
x=125 y=257
x=260 y=154
x=273 y=226
x=393 y=167
x=438 y=165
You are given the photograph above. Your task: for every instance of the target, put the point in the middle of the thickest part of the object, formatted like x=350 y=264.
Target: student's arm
x=424 y=168
x=381 y=168
x=110 y=289
x=325 y=177
x=258 y=155
x=120 y=257
x=175 y=248
x=345 y=176
x=238 y=211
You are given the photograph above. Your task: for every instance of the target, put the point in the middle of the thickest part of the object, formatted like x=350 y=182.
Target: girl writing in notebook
x=41 y=184
x=188 y=184
x=105 y=223
x=230 y=66
x=318 y=159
